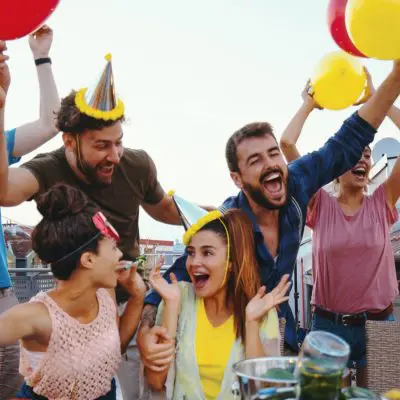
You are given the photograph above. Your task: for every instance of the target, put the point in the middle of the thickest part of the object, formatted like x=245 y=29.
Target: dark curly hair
x=71 y=120
x=66 y=226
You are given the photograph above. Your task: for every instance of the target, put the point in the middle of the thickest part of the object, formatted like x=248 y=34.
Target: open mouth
x=106 y=170
x=360 y=172
x=272 y=182
x=200 y=279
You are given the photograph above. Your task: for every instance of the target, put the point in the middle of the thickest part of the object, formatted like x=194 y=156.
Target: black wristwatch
x=45 y=60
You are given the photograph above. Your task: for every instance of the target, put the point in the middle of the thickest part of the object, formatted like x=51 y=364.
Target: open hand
x=261 y=303
x=40 y=42
x=168 y=291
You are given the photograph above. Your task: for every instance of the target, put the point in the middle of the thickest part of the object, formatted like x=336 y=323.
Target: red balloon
x=337 y=27
x=19 y=18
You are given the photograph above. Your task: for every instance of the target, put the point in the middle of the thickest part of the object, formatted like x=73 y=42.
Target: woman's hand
x=132 y=282
x=262 y=302
x=169 y=292
x=368 y=91
x=307 y=96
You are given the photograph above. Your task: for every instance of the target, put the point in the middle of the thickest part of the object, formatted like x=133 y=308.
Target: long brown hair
x=243 y=278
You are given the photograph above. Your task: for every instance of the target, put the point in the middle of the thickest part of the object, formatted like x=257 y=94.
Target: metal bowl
x=256 y=374
x=277 y=370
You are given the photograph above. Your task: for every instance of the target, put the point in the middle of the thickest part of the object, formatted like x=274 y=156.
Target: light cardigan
x=184 y=375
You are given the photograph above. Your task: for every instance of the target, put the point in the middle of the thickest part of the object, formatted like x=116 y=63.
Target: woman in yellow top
x=223 y=315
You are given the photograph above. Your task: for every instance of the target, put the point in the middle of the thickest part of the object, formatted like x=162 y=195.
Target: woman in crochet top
x=223 y=315
x=71 y=337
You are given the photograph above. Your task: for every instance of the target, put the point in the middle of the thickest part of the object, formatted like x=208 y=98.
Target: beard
x=256 y=194
x=90 y=172
x=258 y=197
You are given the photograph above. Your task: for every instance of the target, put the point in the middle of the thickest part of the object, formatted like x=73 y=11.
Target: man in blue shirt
x=21 y=141
x=275 y=197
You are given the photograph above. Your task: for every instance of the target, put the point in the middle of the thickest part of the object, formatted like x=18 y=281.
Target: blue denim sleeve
x=340 y=153
x=10 y=137
x=179 y=269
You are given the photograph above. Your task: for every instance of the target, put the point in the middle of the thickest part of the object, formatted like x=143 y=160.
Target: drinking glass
x=322 y=360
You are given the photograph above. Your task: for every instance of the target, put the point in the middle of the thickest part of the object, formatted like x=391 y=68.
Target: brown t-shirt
x=134 y=182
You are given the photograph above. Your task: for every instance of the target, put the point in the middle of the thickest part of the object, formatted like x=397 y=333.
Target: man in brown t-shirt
x=117 y=179
x=134 y=183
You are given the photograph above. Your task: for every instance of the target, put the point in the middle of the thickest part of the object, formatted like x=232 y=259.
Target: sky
x=190 y=73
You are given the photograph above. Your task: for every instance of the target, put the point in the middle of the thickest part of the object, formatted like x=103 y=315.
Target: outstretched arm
x=16 y=184
x=394 y=112
x=342 y=151
x=23 y=321
x=291 y=134
x=377 y=107
x=30 y=136
x=392 y=184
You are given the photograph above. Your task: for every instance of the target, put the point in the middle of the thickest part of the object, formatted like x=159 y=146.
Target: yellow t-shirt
x=213 y=346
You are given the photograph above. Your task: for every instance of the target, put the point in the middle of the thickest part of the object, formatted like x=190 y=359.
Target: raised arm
x=4 y=85
x=377 y=107
x=394 y=115
x=32 y=135
x=392 y=185
x=291 y=134
x=170 y=292
x=153 y=299
x=394 y=112
x=342 y=151
x=16 y=185
x=129 y=320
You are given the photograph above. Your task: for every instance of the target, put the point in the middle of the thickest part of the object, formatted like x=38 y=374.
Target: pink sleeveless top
x=352 y=260
x=81 y=359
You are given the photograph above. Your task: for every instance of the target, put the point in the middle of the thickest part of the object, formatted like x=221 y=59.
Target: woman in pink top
x=353 y=265
x=71 y=337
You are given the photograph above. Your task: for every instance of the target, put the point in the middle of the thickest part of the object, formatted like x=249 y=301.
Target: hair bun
x=61 y=200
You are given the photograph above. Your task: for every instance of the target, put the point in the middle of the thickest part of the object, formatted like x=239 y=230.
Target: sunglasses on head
x=105 y=228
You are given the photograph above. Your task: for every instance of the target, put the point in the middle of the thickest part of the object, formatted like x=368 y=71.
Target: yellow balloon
x=393 y=394
x=374 y=27
x=338 y=81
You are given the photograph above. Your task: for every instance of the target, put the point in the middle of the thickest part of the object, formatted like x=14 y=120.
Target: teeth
x=198 y=274
x=272 y=176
